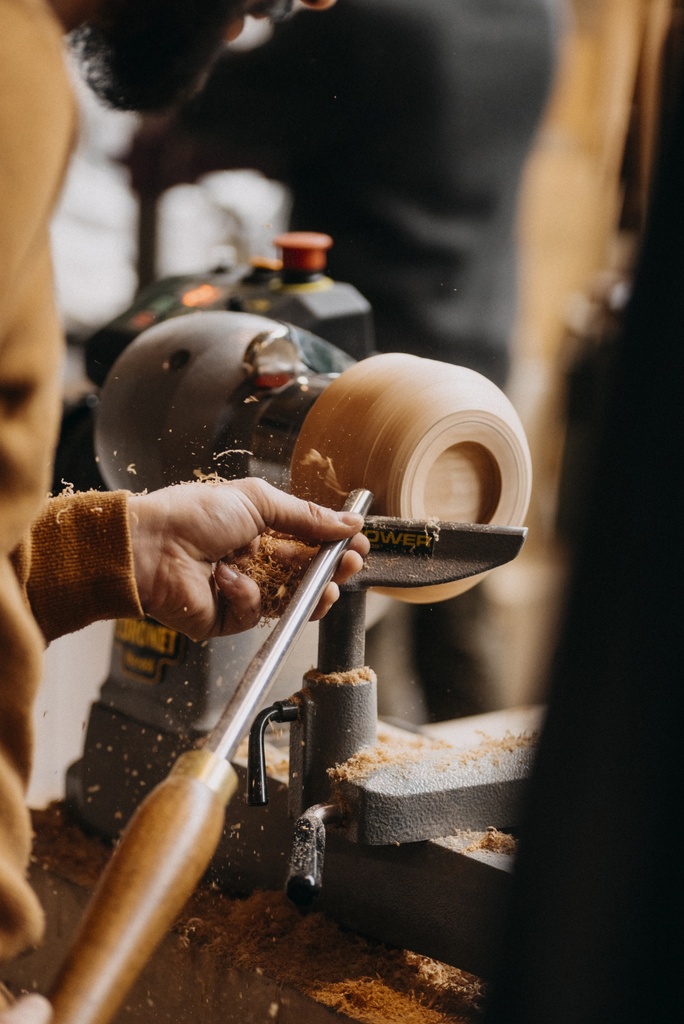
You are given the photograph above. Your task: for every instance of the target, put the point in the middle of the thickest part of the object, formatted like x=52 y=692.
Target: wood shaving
x=277 y=568
x=367 y=981
x=493 y=840
x=389 y=750
x=493 y=747
x=60 y=845
x=231 y=451
x=67 y=488
x=398 y=750
x=327 y=473
x=212 y=478
x=401 y=739
x=352 y=678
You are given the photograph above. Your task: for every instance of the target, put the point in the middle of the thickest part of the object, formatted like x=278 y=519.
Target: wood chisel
x=174 y=833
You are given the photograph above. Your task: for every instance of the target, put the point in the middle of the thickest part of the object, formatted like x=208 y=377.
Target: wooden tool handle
x=162 y=855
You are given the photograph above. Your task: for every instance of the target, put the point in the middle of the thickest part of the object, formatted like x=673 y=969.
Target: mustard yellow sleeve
x=77 y=567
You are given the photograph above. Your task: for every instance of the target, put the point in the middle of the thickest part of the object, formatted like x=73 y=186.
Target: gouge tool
x=173 y=835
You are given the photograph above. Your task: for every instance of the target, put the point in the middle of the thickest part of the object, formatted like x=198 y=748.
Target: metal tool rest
x=390 y=851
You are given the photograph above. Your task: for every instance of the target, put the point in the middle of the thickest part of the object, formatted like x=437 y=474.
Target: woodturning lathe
x=447 y=454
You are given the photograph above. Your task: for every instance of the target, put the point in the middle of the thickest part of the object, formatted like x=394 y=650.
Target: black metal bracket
x=305 y=878
x=280 y=711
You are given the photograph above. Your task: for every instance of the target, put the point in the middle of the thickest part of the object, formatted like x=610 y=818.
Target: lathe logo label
x=145 y=647
x=402 y=541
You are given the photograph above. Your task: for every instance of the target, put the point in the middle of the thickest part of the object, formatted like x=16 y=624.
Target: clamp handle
x=280 y=711
x=305 y=877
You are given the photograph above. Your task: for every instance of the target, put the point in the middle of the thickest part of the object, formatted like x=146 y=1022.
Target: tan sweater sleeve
x=77 y=567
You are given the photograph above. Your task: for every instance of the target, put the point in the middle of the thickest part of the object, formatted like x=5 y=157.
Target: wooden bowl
x=429 y=439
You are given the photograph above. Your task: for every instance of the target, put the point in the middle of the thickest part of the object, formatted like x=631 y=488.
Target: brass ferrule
x=215 y=772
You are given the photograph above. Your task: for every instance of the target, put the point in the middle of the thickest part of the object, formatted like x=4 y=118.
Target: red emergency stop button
x=304 y=251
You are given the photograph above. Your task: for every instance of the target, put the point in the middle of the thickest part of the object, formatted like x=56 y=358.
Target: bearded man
x=70 y=560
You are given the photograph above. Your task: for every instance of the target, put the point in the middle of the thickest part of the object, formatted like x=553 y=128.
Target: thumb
x=31 y=1009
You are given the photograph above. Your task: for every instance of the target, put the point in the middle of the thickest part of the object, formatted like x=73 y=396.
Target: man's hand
x=184 y=537
x=33 y=1009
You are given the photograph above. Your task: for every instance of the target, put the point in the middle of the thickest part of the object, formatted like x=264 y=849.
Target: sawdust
x=208 y=478
x=492 y=840
x=401 y=739
x=390 y=749
x=354 y=677
x=493 y=747
x=398 y=750
x=367 y=981
x=61 y=846
x=277 y=568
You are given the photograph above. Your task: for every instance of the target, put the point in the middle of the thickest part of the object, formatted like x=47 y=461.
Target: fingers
x=330 y=596
x=182 y=536
x=31 y=1009
x=239 y=601
x=303 y=519
x=350 y=563
x=243 y=600
x=215 y=519
x=308 y=522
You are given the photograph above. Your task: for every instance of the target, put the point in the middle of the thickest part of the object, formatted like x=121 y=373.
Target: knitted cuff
x=82 y=563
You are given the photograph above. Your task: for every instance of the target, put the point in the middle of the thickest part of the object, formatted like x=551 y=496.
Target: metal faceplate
x=215 y=393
